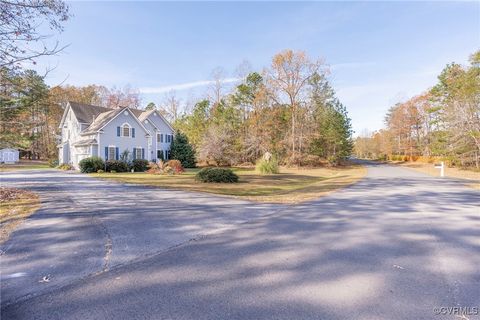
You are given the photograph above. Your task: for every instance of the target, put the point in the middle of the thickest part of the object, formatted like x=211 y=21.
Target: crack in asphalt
x=108 y=243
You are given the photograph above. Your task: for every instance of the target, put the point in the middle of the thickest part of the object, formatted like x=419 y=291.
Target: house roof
x=101 y=120
x=142 y=115
x=145 y=114
x=104 y=118
x=137 y=112
x=85 y=142
x=86 y=113
x=97 y=117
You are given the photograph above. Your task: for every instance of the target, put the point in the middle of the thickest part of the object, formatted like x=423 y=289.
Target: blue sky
x=379 y=52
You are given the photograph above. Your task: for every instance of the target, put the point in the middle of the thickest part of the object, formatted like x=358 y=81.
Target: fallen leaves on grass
x=8 y=194
x=15 y=206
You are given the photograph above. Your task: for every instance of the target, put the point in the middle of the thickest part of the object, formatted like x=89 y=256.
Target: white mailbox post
x=441 y=166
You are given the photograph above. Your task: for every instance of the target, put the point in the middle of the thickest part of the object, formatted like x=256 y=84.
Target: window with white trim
x=126 y=130
x=111 y=153
x=158 y=137
x=138 y=153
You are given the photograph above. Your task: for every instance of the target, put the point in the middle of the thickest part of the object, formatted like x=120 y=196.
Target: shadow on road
x=393 y=246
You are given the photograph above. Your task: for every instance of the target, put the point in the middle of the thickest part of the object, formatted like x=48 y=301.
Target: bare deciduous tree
x=21 y=21
x=171 y=106
x=116 y=98
x=288 y=78
x=243 y=69
x=216 y=90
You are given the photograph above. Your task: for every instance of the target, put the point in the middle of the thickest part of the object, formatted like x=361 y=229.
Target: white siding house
x=96 y=131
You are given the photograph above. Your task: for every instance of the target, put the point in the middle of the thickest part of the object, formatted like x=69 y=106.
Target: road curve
x=396 y=245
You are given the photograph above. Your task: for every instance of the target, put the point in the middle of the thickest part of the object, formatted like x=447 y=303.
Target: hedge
x=139 y=165
x=116 y=166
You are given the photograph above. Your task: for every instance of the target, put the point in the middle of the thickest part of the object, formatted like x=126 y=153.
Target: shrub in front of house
x=139 y=165
x=91 y=164
x=160 y=167
x=269 y=166
x=176 y=166
x=116 y=166
x=221 y=175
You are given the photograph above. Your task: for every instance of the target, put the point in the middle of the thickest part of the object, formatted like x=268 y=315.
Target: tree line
x=442 y=122
x=289 y=109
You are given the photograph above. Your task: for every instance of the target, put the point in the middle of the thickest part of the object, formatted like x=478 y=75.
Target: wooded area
x=289 y=109
x=441 y=123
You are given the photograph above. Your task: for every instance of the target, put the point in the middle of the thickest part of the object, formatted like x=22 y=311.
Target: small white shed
x=9 y=156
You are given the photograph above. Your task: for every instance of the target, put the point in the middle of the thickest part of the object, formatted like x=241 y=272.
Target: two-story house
x=88 y=130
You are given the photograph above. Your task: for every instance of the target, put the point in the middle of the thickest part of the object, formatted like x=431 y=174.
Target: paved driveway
x=397 y=245
x=87 y=226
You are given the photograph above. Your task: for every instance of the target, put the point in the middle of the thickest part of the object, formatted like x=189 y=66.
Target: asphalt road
x=397 y=245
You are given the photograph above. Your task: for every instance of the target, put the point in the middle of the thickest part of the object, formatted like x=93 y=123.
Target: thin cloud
x=184 y=86
x=352 y=65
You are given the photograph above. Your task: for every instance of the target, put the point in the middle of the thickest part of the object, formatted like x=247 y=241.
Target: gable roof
x=86 y=113
x=144 y=117
x=97 y=117
x=147 y=114
x=104 y=118
x=143 y=114
x=137 y=112
x=101 y=120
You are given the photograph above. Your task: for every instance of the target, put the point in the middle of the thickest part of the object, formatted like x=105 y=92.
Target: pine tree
x=183 y=151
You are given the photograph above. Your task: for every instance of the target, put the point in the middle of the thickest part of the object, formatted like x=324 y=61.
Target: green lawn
x=24 y=165
x=290 y=186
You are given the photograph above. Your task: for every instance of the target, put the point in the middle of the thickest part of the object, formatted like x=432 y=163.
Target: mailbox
x=440 y=166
